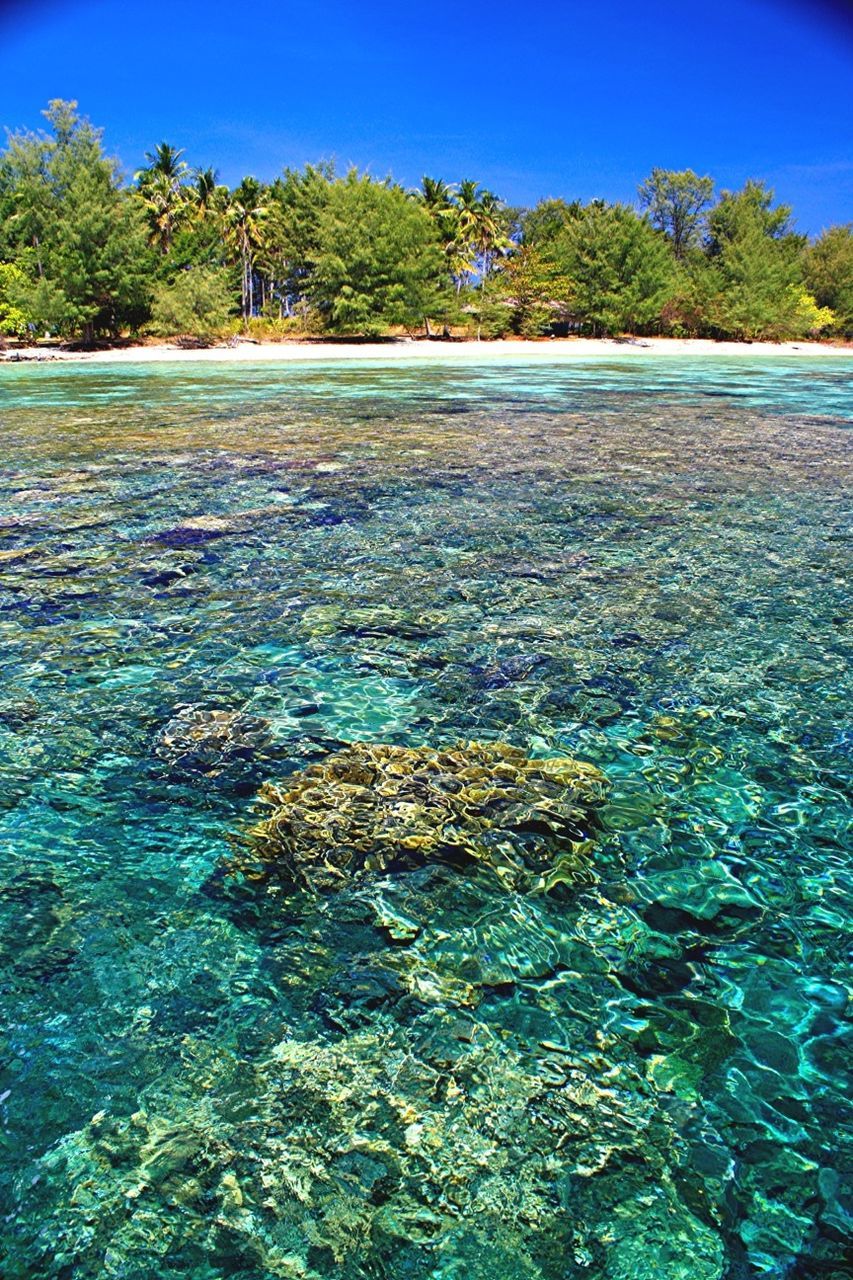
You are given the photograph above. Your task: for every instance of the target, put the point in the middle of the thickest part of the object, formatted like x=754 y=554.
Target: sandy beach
x=424 y=350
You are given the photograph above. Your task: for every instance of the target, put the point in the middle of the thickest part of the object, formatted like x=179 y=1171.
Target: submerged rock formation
x=372 y=807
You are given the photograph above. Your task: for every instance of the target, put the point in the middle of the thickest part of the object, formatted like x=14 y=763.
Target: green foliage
x=619 y=268
x=83 y=254
x=810 y=319
x=756 y=260
x=13 y=320
x=164 y=194
x=676 y=202
x=686 y=311
x=534 y=293
x=377 y=262
x=45 y=305
x=473 y=226
x=829 y=273
x=749 y=209
x=295 y=203
x=98 y=255
x=542 y=225
x=75 y=228
x=196 y=305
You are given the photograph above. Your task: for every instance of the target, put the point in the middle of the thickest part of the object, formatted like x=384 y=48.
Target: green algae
x=217 y=579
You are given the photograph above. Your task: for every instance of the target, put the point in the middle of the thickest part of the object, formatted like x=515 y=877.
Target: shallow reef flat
x=424 y=824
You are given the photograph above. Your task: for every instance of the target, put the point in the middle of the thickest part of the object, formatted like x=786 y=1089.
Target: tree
x=378 y=262
x=161 y=187
x=207 y=197
x=481 y=233
x=617 y=266
x=757 y=262
x=437 y=196
x=244 y=215
x=676 y=202
x=531 y=292
x=829 y=273
x=13 y=319
x=687 y=311
x=196 y=305
x=75 y=233
x=294 y=205
x=541 y=225
x=198 y=238
x=439 y=200
x=98 y=256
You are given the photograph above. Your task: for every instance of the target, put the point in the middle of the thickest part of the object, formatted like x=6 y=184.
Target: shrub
x=196 y=306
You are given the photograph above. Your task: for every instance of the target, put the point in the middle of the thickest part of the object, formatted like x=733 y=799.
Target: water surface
x=216 y=576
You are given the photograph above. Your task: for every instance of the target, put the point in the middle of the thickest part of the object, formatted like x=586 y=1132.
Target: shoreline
x=424 y=350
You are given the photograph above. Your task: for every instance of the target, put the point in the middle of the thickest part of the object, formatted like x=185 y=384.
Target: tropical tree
x=295 y=202
x=207 y=196
x=757 y=260
x=162 y=189
x=437 y=197
x=13 y=319
x=541 y=225
x=196 y=305
x=74 y=232
x=244 y=226
x=378 y=260
x=27 y=197
x=829 y=273
x=481 y=231
x=617 y=268
x=532 y=291
x=676 y=202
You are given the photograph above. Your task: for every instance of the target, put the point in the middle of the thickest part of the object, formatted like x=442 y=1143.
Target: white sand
x=450 y=352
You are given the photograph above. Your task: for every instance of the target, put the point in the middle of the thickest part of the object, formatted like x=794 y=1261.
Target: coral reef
x=206 y=740
x=373 y=807
x=566 y=1061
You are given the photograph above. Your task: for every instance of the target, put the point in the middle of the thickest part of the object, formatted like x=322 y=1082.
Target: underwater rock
x=372 y=807
x=186 y=535
x=702 y=892
x=654 y=1235
x=383 y=1153
x=497 y=675
x=37 y=937
x=205 y=740
x=18 y=708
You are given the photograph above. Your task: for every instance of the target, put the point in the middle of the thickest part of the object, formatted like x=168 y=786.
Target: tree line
x=86 y=254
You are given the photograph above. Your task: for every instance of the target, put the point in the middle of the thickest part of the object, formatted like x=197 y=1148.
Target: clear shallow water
x=212 y=577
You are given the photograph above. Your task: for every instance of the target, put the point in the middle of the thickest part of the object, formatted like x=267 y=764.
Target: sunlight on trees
x=84 y=254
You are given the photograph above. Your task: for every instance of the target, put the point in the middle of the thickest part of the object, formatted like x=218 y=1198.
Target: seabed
x=423 y=820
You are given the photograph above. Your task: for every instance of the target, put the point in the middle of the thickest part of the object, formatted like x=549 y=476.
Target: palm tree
x=244 y=217
x=208 y=196
x=167 y=160
x=489 y=235
x=439 y=199
x=161 y=186
x=481 y=233
x=437 y=195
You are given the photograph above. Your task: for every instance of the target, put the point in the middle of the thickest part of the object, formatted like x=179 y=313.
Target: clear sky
x=578 y=98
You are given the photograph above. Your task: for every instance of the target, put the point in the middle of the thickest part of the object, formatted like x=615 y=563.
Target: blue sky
x=559 y=97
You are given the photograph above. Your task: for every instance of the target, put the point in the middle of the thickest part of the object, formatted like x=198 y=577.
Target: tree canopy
x=85 y=253
x=377 y=259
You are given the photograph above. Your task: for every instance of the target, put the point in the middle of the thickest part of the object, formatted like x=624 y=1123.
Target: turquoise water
x=214 y=578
